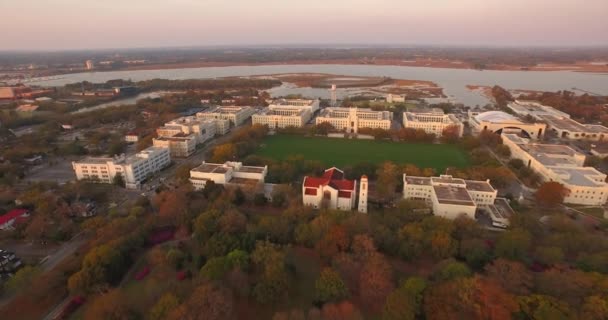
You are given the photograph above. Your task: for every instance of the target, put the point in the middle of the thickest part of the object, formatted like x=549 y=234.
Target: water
x=453 y=81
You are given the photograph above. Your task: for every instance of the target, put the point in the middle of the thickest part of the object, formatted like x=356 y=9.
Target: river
x=453 y=81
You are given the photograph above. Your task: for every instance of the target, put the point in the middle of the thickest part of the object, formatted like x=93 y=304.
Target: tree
x=513 y=244
x=376 y=282
x=238 y=198
x=164 y=306
x=340 y=311
x=329 y=287
x=405 y=302
x=594 y=308
x=182 y=173
x=511 y=275
x=335 y=240
x=259 y=199
x=207 y=302
x=224 y=152
x=549 y=255
x=450 y=134
x=112 y=305
x=540 y=307
x=387 y=181
x=450 y=270
x=21 y=279
x=550 y=194
x=273 y=284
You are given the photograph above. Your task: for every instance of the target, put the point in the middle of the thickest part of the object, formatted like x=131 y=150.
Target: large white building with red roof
x=330 y=191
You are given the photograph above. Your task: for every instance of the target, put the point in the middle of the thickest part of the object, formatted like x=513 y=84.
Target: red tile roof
x=16 y=213
x=311 y=191
x=335 y=179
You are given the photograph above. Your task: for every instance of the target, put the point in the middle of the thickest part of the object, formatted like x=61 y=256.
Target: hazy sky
x=82 y=24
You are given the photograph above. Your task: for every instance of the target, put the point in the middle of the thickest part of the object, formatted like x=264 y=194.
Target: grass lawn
x=341 y=152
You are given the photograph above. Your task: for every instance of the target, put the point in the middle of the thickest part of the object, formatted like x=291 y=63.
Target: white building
x=282 y=117
x=502 y=122
x=134 y=169
x=363 y=193
x=311 y=105
x=559 y=122
x=202 y=130
x=330 y=191
x=236 y=115
x=351 y=119
x=586 y=185
x=433 y=122
x=393 y=98
x=452 y=197
x=180 y=145
x=231 y=173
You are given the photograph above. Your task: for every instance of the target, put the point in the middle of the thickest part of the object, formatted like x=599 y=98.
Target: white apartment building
x=311 y=105
x=559 y=122
x=229 y=173
x=134 y=169
x=282 y=117
x=351 y=119
x=393 y=98
x=502 y=122
x=452 y=197
x=236 y=115
x=433 y=122
x=180 y=145
x=586 y=185
x=331 y=191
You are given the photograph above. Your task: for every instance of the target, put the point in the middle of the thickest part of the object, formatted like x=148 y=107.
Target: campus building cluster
x=559 y=122
x=236 y=115
x=451 y=197
x=182 y=135
x=350 y=120
x=585 y=185
x=333 y=191
x=434 y=121
x=133 y=169
x=283 y=113
x=502 y=122
x=228 y=173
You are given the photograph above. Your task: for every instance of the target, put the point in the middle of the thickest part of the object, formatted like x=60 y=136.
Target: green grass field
x=342 y=152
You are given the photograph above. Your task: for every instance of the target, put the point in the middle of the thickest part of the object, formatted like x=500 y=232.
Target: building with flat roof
x=202 y=130
x=433 y=121
x=282 y=117
x=559 y=122
x=351 y=119
x=502 y=122
x=228 y=173
x=394 y=98
x=308 y=104
x=180 y=145
x=451 y=197
x=331 y=191
x=236 y=115
x=134 y=169
x=586 y=185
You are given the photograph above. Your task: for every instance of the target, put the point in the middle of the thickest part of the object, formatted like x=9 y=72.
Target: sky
x=95 y=24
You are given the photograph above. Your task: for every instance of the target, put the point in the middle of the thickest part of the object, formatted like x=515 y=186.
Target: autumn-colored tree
x=540 y=307
x=451 y=269
x=111 y=305
x=224 y=152
x=405 y=302
x=334 y=241
x=233 y=222
x=450 y=134
x=164 y=306
x=375 y=282
x=594 y=307
x=273 y=284
x=363 y=247
x=569 y=285
x=469 y=298
x=551 y=193
x=511 y=275
x=171 y=205
x=329 y=287
x=340 y=311
x=207 y=302
x=387 y=181
x=513 y=244
x=549 y=255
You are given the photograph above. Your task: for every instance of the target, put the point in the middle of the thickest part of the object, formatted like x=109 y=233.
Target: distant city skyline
x=88 y=24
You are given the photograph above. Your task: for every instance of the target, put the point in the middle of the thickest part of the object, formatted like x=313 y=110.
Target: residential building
x=236 y=115
x=502 y=122
x=228 y=173
x=585 y=185
x=282 y=117
x=351 y=119
x=451 y=197
x=9 y=219
x=559 y=122
x=180 y=145
x=330 y=191
x=433 y=122
x=311 y=105
x=133 y=169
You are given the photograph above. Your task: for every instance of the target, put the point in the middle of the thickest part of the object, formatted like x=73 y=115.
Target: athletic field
x=341 y=152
